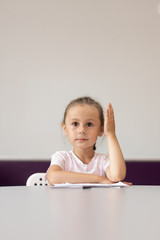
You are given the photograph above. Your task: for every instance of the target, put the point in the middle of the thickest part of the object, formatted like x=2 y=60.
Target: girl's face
x=82 y=126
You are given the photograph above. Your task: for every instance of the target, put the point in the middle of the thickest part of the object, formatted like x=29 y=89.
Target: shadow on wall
x=16 y=173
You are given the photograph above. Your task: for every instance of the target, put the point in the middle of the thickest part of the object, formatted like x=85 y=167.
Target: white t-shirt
x=68 y=161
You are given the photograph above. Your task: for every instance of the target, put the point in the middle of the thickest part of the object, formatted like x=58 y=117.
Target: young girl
x=83 y=123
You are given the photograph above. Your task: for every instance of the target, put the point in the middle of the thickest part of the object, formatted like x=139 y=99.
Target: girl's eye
x=75 y=124
x=89 y=124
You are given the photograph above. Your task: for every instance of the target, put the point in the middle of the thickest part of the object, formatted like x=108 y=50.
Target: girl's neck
x=84 y=155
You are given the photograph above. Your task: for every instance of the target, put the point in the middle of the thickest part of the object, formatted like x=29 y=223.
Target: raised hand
x=109 y=123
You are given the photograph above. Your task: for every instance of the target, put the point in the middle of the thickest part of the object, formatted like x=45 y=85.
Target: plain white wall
x=54 y=51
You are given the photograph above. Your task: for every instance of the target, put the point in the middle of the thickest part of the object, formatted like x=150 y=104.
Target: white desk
x=37 y=213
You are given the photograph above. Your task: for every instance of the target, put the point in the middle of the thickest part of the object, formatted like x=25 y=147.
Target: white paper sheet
x=89 y=185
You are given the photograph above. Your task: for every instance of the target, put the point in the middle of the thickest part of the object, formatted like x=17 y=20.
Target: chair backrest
x=37 y=179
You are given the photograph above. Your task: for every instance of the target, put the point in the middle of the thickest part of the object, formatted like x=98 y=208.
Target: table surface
x=111 y=213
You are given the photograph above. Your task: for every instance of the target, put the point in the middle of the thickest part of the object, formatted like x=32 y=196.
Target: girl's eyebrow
x=76 y=119
x=91 y=119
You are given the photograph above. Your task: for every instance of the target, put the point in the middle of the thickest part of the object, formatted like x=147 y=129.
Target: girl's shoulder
x=60 y=157
x=61 y=154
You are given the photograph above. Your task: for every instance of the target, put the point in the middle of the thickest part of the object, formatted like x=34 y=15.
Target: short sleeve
x=105 y=163
x=58 y=158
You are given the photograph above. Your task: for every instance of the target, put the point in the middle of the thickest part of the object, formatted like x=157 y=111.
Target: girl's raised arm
x=116 y=171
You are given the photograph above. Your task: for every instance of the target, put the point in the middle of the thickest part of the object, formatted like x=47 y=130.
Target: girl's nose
x=81 y=129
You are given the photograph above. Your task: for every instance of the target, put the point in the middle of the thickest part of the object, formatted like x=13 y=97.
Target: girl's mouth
x=81 y=139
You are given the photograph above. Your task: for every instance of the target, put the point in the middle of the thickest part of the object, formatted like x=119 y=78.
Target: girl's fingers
x=109 y=111
x=128 y=183
x=109 y=124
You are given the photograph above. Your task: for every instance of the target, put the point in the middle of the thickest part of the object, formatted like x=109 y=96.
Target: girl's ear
x=101 y=131
x=64 y=128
